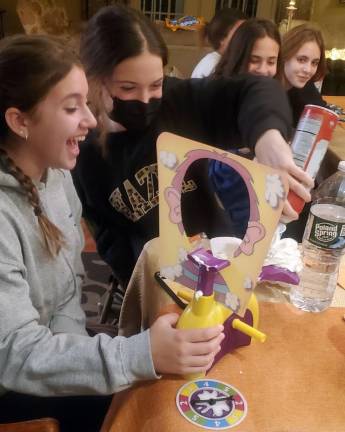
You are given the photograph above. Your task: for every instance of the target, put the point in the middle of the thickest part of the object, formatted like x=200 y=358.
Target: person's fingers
x=169 y=319
x=299 y=189
x=301 y=175
x=189 y=370
x=204 y=348
x=201 y=335
x=286 y=220
x=289 y=214
x=199 y=361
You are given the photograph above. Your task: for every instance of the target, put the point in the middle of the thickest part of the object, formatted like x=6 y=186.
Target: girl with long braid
x=45 y=351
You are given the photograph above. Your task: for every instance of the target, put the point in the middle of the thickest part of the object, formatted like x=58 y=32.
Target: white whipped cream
x=224 y=247
x=284 y=253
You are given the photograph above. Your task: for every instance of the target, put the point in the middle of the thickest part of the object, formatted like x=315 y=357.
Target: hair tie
x=37 y=211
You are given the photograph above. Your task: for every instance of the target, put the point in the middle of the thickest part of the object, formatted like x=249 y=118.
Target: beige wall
x=13 y=25
x=73 y=9
x=266 y=9
x=330 y=15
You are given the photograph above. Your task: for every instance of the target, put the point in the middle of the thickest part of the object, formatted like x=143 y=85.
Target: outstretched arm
x=272 y=150
x=254 y=112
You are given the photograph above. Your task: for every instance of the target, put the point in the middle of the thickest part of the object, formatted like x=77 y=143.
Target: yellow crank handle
x=185 y=295
x=248 y=330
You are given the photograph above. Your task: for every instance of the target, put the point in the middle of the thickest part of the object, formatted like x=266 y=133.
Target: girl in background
x=304 y=63
x=218 y=32
x=49 y=366
x=299 y=63
x=253 y=49
x=116 y=173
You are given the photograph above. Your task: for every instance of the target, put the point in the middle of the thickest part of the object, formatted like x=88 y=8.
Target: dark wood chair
x=2 y=27
x=40 y=425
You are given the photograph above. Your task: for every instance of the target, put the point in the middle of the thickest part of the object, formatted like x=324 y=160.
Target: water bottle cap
x=341 y=166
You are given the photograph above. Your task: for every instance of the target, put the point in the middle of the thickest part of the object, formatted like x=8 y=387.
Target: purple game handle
x=278 y=274
x=208 y=267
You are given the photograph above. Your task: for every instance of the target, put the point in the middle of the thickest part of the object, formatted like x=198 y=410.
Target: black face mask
x=134 y=114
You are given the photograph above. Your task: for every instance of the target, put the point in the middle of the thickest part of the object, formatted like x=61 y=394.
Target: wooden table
x=336 y=100
x=294 y=382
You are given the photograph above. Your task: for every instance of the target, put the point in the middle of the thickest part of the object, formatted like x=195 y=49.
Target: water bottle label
x=327 y=234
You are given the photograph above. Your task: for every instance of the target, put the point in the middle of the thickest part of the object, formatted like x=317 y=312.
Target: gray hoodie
x=44 y=348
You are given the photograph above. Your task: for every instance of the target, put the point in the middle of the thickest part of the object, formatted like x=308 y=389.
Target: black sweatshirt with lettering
x=119 y=190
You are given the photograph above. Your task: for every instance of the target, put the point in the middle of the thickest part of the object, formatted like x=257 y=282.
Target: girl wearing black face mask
x=134 y=115
x=116 y=174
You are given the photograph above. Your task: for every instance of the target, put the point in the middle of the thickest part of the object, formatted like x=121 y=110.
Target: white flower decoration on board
x=171 y=272
x=274 y=190
x=182 y=255
x=248 y=283
x=232 y=301
x=168 y=159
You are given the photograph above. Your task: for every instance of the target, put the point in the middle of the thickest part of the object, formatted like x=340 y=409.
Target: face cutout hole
x=215 y=200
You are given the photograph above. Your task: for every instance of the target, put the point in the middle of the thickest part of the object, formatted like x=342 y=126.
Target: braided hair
x=29 y=67
x=53 y=237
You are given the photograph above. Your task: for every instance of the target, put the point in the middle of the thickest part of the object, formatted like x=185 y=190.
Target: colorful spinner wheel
x=211 y=404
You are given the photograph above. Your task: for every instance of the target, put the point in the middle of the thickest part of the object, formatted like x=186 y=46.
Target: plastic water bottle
x=323 y=245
